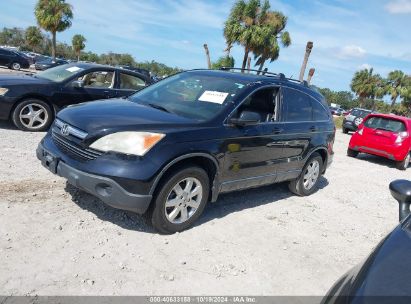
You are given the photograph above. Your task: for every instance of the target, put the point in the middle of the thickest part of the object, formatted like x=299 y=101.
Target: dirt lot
x=56 y=240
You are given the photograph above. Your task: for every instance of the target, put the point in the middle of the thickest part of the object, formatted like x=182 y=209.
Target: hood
x=10 y=80
x=118 y=115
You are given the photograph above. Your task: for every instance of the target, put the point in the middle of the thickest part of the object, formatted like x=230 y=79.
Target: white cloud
x=350 y=51
x=364 y=66
x=399 y=7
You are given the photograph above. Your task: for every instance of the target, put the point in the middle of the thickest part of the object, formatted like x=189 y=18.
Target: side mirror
x=246 y=118
x=77 y=84
x=401 y=191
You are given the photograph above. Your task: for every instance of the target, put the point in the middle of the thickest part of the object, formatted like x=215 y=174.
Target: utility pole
x=310 y=75
x=207 y=55
x=308 y=49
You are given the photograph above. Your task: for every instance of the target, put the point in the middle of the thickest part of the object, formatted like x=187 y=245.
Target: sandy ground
x=56 y=240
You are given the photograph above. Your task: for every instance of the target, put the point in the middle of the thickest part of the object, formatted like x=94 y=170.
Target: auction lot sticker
x=213 y=96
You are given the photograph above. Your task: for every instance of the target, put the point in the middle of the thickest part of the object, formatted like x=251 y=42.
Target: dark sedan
x=385 y=276
x=49 y=63
x=31 y=101
x=13 y=59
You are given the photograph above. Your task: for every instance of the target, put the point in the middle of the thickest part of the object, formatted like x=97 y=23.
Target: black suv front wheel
x=307 y=182
x=180 y=200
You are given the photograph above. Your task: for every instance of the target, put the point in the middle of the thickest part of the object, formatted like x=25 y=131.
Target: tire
x=16 y=66
x=26 y=115
x=162 y=217
x=352 y=153
x=403 y=165
x=299 y=186
x=345 y=131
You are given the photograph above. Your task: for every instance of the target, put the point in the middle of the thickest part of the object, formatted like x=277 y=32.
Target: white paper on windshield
x=213 y=96
x=73 y=69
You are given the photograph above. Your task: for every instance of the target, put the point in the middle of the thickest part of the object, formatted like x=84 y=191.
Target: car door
x=299 y=128
x=129 y=83
x=5 y=57
x=97 y=84
x=253 y=152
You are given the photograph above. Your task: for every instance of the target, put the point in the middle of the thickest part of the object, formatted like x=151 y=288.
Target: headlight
x=137 y=143
x=3 y=91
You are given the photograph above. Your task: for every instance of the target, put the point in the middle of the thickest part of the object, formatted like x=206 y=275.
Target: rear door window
x=297 y=106
x=130 y=82
x=386 y=124
x=98 y=79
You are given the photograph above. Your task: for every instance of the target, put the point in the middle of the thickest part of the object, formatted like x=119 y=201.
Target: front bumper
x=106 y=189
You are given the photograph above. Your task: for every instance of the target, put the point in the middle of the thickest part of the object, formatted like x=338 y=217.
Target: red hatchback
x=383 y=135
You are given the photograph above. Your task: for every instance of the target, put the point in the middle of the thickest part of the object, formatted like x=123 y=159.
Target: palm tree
x=308 y=49
x=243 y=25
x=207 y=55
x=33 y=37
x=78 y=42
x=396 y=81
x=368 y=85
x=272 y=27
x=53 y=16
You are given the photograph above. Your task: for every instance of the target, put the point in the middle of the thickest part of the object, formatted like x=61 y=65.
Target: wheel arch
x=33 y=96
x=323 y=153
x=203 y=160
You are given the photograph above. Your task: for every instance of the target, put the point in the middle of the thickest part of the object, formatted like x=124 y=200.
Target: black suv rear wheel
x=180 y=200
x=307 y=182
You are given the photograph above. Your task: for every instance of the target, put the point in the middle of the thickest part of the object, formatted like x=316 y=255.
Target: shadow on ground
x=376 y=160
x=7 y=125
x=226 y=204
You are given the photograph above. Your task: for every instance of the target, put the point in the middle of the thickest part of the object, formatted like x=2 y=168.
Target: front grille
x=74 y=150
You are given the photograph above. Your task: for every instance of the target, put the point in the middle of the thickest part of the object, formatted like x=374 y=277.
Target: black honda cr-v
x=177 y=144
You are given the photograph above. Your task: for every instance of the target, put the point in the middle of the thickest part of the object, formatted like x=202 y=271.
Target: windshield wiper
x=156 y=106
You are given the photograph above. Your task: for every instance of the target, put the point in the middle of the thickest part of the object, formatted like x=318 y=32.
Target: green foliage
x=12 y=37
x=224 y=61
x=78 y=43
x=157 y=68
x=257 y=29
x=53 y=16
x=33 y=37
x=368 y=85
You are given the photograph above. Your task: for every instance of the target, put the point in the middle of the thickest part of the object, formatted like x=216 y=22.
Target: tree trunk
x=78 y=56
x=207 y=55
x=308 y=49
x=261 y=66
x=246 y=51
x=248 y=64
x=361 y=101
x=53 y=46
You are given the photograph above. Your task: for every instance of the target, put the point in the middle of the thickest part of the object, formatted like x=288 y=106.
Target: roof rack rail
x=266 y=73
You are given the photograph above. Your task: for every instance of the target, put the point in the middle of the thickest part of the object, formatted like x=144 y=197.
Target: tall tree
x=367 y=85
x=396 y=82
x=78 y=43
x=272 y=28
x=53 y=16
x=250 y=24
x=34 y=37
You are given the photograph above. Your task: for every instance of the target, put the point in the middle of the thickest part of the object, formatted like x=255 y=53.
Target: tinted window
x=297 y=106
x=320 y=113
x=383 y=123
x=130 y=82
x=99 y=79
x=360 y=113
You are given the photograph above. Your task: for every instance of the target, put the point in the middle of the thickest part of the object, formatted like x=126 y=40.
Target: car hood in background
x=119 y=114
x=6 y=80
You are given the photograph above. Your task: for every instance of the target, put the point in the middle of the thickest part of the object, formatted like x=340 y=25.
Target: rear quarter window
x=319 y=112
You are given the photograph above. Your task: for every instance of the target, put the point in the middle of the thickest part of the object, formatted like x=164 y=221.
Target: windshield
x=59 y=73
x=192 y=95
x=360 y=113
x=387 y=124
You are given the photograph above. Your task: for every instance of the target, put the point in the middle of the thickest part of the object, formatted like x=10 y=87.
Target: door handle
x=313 y=129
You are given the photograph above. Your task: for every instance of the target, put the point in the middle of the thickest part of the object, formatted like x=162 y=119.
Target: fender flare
x=180 y=158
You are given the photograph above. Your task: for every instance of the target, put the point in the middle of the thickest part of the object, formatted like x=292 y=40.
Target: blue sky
x=347 y=34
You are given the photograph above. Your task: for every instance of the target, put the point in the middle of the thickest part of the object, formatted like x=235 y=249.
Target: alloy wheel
x=183 y=200
x=311 y=174
x=16 y=66
x=33 y=116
